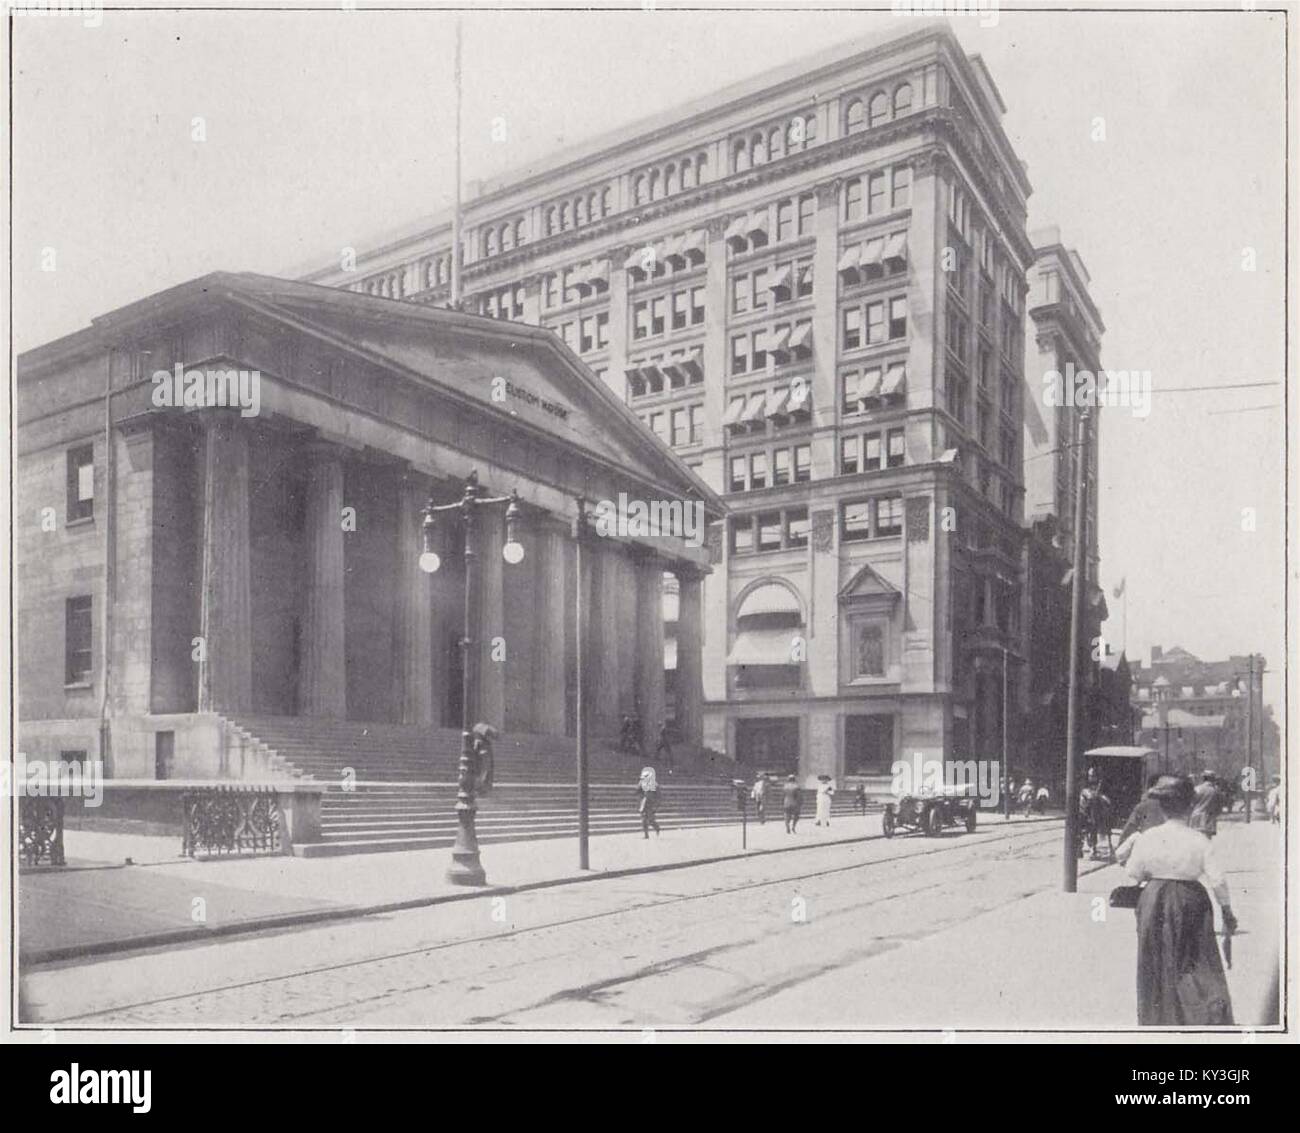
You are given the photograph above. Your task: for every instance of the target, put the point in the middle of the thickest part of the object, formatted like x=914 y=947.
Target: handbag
x=1125 y=896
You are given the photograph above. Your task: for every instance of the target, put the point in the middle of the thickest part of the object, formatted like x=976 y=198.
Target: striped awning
x=754 y=408
x=871 y=252
x=780 y=279
x=896 y=248
x=776 y=340
x=801 y=337
x=734 y=410
x=895 y=381
x=869 y=385
x=850 y=259
x=776 y=402
x=763 y=647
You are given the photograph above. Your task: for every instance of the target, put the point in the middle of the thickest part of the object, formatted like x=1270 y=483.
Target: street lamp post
x=582 y=703
x=466 y=866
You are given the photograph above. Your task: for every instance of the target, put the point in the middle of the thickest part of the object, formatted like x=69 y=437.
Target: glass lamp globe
x=513 y=553
x=430 y=562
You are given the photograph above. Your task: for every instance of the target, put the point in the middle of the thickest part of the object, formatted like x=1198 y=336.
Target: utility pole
x=455 y=216
x=1070 y=874
x=1006 y=802
x=582 y=704
x=1250 y=727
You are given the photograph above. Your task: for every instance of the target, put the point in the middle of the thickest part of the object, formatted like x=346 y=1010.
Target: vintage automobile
x=931 y=810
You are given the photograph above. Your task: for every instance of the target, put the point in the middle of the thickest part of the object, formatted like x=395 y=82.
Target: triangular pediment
x=868 y=584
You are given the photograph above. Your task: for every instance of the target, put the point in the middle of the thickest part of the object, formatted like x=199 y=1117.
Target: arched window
x=688 y=174
x=902 y=100
x=593 y=207
x=701 y=168
x=519 y=233
x=854 y=119
x=776 y=144
x=580 y=211
x=879 y=108
x=490 y=242
x=642 y=193
x=672 y=180
x=758 y=150
x=656 y=185
x=507 y=237
x=740 y=156
x=552 y=221
x=809 y=130
x=566 y=217
x=606 y=201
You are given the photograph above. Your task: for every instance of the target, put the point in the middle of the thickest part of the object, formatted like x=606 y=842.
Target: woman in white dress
x=825 y=789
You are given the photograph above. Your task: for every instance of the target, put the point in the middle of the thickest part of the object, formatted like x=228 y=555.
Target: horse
x=1094 y=819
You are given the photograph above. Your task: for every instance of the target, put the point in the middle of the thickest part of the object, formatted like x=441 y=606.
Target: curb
x=306 y=917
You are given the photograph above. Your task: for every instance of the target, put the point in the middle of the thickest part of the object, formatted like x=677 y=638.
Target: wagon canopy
x=1121 y=752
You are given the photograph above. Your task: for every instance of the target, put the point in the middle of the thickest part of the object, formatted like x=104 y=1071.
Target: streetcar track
x=1028 y=838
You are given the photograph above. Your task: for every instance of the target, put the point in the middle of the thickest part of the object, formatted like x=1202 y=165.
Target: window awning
x=871 y=252
x=694 y=244
x=806 y=277
x=670 y=654
x=693 y=362
x=599 y=275
x=849 y=261
x=763 y=647
x=776 y=340
x=754 y=409
x=895 y=380
x=869 y=385
x=756 y=222
x=780 y=279
x=582 y=278
x=736 y=232
x=896 y=247
x=800 y=399
x=673 y=249
x=768 y=599
x=776 y=402
x=634 y=260
x=801 y=337
x=734 y=410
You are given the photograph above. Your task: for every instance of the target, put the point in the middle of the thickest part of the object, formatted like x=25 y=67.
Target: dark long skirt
x=1180 y=978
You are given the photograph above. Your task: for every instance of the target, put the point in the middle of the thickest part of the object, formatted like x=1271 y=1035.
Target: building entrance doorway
x=769 y=744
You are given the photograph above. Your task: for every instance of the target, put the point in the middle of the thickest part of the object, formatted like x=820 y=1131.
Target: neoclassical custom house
x=811 y=286
x=193 y=575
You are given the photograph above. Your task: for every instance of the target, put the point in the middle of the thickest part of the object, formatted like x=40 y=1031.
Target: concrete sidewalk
x=99 y=904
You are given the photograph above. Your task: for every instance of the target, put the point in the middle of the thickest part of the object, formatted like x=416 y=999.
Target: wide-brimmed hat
x=1175 y=789
x=823 y=778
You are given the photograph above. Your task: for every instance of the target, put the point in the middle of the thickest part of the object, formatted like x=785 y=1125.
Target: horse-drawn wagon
x=1114 y=781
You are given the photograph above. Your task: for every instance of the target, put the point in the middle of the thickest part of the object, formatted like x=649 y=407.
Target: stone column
x=491 y=620
x=412 y=607
x=323 y=670
x=690 y=655
x=551 y=627
x=650 y=645
x=226 y=618
x=520 y=588
x=603 y=679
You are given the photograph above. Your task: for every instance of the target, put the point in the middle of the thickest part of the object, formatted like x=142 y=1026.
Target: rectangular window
x=803 y=271
x=852 y=332
x=641 y=319
x=875 y=194
x=889 y=516
x=740 y=294
x=681 y=309
x=853 y=200
x=807 y=214
x=855 y=521
x=742 y=535
x=802 y=463
x=796 y=527
x=680 y=427
x=658 y=422
x=894 y=456
x=850 y=455
x=758 y=359
x=602 y=330
x=697 y=423
x=758 y=470
x=587 y=339
x=77 y=635
x=769 y=531
x=658 y=308
x=760 y=288
x=785 y=220
x=739 y=470
x=875 y=323
x=898 y=317
x=849 y=388
x=871 y=452
x=739 y=353
x=697 y=306
x=780 y=467
x=902 y=187
x=81 y=482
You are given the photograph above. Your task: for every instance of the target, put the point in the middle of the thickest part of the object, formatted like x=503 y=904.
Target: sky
x=1154 y=140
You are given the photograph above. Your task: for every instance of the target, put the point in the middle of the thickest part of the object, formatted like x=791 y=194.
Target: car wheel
x=934 y=821
x=887 y=822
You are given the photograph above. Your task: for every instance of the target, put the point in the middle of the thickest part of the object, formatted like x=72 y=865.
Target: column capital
x=828 y=191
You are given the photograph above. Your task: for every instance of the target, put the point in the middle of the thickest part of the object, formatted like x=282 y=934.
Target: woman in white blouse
x=1180 y=978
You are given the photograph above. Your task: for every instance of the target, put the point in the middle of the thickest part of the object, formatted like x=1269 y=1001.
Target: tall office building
x=811 y=286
